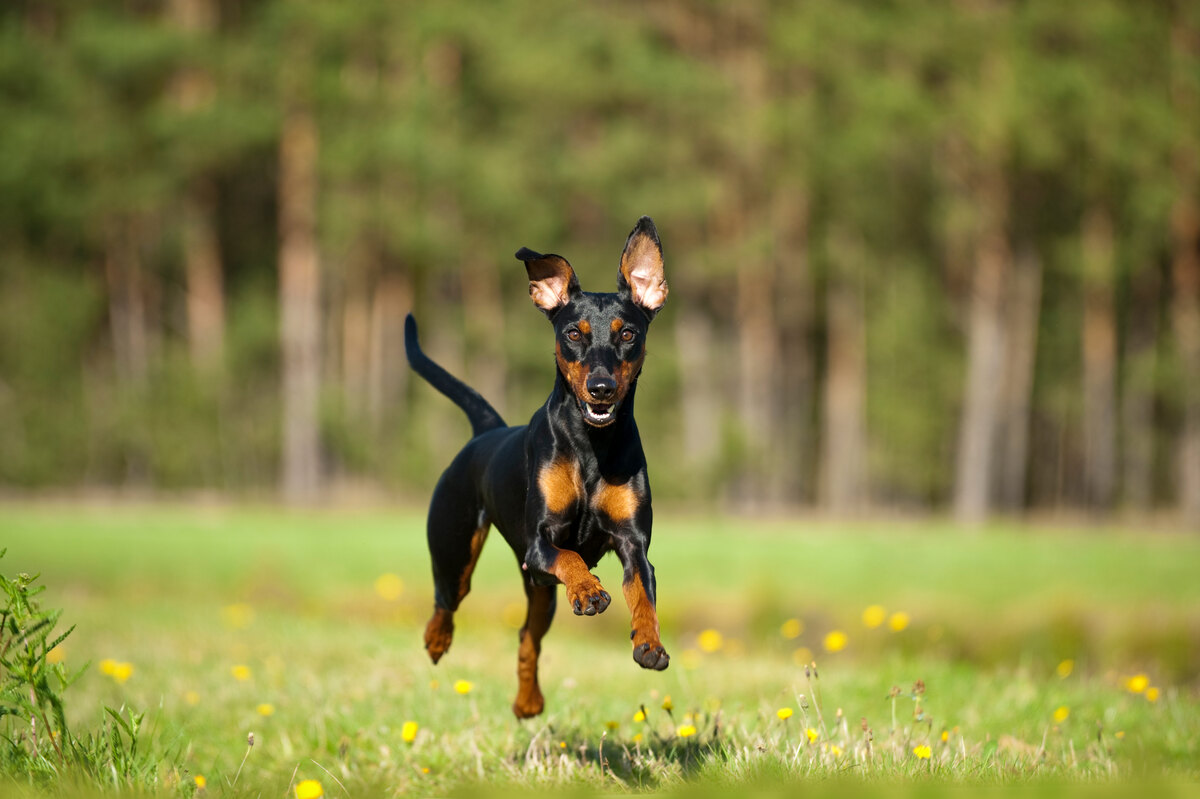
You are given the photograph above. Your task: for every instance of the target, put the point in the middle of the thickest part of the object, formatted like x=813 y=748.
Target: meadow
x=1014 y=654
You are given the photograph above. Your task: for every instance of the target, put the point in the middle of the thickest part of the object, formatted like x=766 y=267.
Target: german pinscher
x=569 y=486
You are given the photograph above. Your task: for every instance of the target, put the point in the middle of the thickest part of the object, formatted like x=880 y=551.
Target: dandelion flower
x=923 y=752
x=200 y=782
x=265 y=709
x=56 y=655
x=637 y=739
x=836 y=751
x=836 y=641
x=1137 y=683
x=1120 y=734
x=667 y=705
x=791 y=628
x=1152 y=694
x=710 y=641
x=873 y=616
x=1064 y=668
x=687 y=730
x=1061 y=714
x=108 y=666
x=309 y=789
x=945 y=736
x=389 y=587
x=122 y=672
x=640 y=716
x=784 y=713
x=408 y=733
x=812 y=734
x=463 y=686
x=612 y=725
x=562 y=744
x=898 y=621
x=241 y=672
x=239 y=615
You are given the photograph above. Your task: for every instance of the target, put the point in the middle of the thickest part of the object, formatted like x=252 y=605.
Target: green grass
x=993 y=614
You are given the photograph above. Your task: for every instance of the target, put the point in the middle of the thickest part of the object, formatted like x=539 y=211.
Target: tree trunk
x=844 y=450
x=975 y=470
x=1024 y=311
x=1137 y=396
x=758 y=394
x=387 y=368
x=1185 y=254
x=299 y=293
x=699 y=410
x=193 y=91
x=126 y=305
x=1099 y=360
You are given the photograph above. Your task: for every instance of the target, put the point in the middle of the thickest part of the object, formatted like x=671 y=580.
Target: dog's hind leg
x=456 y=532
x=540 y=612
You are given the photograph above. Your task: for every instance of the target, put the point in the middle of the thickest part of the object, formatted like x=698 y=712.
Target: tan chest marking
x=618 y=501
x=561 y=484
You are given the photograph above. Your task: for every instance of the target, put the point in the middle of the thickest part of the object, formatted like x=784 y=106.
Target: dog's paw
x=651 y=655
x=588 y=598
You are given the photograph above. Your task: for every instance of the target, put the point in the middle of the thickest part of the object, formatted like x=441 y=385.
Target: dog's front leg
x=548 y=563
x=640 y=594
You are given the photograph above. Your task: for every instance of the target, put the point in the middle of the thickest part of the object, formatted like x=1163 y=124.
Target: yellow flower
x=784 y=713
x=710 y=641
x=640 y=716
x=56 y=655
x=191 y=697
x=836 y=641
x=463 y=686
x=122 y=671
x=265 y=709
x=612 y=725
x=1137 y=683
x=812 y=734
x=898 y=621
x=408 y=733
x=923 y=751
x=241 y=673
x=873 y=616
x=200 y=782
x=836 y=751
x=667 y=705
x=1152 y=694
x=1120 y=735
x=637 y=738
x=239 y=615
x=562 y=744
x=388 y=587
x=791 y=628
x=309 y=789
x=686 y=730
x=1061 y=714
x=945 y=736
x=108 y=666
x=1064 y=668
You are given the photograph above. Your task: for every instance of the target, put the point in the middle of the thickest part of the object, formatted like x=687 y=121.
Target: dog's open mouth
x=598 y=414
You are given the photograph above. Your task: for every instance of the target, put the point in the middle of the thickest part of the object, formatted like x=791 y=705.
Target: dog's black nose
x=602 y=387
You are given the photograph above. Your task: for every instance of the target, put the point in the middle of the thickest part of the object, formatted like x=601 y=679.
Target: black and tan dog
x=569 y=486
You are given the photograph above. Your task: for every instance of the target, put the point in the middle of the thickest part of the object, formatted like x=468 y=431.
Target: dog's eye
x=574 y=335
x=627 y=335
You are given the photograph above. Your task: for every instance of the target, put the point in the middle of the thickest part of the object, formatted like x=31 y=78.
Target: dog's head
x=600 y=339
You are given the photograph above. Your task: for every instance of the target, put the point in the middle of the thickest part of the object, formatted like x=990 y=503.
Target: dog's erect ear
x=641 y=278
x=552 y=282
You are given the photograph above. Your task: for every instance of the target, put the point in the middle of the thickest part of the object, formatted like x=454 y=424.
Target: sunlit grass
x=305 y=632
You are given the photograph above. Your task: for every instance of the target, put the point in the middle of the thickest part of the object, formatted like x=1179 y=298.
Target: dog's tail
x=482 y=415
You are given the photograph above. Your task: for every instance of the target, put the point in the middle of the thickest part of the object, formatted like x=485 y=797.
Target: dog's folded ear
x=641 y=277
x=552 y=281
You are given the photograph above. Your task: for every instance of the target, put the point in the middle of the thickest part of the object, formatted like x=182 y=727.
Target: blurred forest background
x=922 y=255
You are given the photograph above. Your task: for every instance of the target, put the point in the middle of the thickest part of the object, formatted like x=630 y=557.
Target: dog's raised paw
x=651 y=656
x=590 y=601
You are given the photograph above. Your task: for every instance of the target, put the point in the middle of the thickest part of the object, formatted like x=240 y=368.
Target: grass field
x=1045 y=655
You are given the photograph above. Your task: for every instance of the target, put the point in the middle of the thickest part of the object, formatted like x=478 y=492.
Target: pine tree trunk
x=1137 y=395
x=1185 y=255
x=986 y=352
x=126 y=305
x=844 y=450
x=758 y=355
x=192 y=91
x=299 y=294
x=1099 y=360
x=1024 y=311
